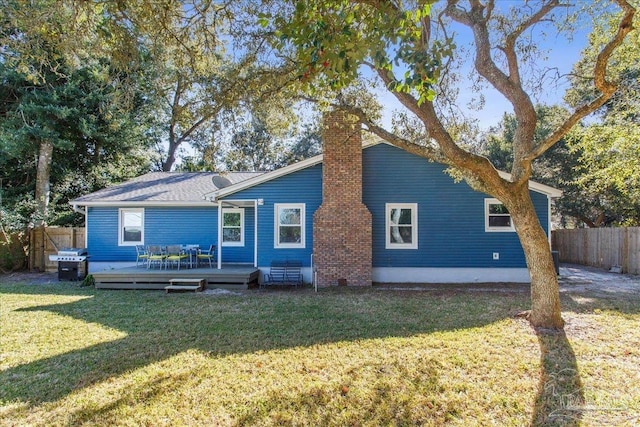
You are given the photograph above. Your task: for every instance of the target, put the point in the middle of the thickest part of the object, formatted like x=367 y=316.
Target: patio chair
x=176 y=255
x=206 y=255
x=155 y=255
x=141 y=255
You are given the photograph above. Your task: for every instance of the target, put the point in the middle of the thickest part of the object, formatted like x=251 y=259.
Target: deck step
x=183 y=284
x=182 y=288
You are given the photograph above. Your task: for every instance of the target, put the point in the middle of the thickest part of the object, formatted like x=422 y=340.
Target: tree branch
x=511 y=39
x=606 y=88
x=425 y=151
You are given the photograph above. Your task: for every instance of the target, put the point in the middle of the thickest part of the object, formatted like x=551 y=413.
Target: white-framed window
x=289 y=225
x=497 y=217
x=130 y=226
x=401 y=225
x=232 y=227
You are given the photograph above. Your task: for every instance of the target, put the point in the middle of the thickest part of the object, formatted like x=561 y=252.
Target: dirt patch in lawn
x=29 y=278
x=582 y=279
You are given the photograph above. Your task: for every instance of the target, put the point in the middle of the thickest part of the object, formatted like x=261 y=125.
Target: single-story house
x=357 y=213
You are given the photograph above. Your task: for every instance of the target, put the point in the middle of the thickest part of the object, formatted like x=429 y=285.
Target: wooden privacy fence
x=600 y=247
x=43 y=243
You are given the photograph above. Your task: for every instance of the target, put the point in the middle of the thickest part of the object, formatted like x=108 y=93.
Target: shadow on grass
x=159 y=326
x=560 y=396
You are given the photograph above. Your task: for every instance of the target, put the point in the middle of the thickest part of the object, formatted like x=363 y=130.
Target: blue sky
x=561 y=54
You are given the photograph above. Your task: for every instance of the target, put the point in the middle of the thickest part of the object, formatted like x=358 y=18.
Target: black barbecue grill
x=73 y=263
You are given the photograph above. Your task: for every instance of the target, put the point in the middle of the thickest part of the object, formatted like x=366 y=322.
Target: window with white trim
x=289 y=225
x=130 y=226
x=496 y=216
x=232 y=227
x=401 y=225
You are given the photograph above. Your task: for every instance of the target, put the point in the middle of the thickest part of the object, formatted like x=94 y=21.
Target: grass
x=367 y=357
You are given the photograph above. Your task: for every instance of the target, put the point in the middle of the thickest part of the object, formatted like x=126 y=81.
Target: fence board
x=600 y=247
x=49 y=241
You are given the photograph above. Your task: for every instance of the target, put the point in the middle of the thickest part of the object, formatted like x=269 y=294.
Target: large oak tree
x=408 y=48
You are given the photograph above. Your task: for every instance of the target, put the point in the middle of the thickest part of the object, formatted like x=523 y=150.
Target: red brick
x=342 y=224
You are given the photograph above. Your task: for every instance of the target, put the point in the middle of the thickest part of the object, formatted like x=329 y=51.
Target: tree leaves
x=333 y=39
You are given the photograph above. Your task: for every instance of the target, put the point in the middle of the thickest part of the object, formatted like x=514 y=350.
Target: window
x=496 y=216
x=402 y=226
x=289 y=225
x=233 y=227
x=131 y=226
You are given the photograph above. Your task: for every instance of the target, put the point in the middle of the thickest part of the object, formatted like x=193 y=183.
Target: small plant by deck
x=74 y=355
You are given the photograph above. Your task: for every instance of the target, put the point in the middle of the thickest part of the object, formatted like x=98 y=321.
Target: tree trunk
x=43 y=175
x=171 y=156
x=545 y=292
x=43 y=190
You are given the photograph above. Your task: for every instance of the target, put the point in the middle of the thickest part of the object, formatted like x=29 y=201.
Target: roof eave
x=268 y=176
x=148 y=203
x=536 y=186
x=303 y=164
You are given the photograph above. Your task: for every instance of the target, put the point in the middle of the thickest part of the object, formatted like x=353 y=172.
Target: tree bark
x=43 y=185
x=43 y=190
x=171 y=156
x=545 y=298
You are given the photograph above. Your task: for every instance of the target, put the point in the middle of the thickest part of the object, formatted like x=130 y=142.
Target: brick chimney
x=342 y=224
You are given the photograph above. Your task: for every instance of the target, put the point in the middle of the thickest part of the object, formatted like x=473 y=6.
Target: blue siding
x=450 y=218
x=450 y=215
x=164 y=226
x=304 y=186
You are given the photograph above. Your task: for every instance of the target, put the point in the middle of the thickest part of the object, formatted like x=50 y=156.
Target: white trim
x=121 y=213
x=86 y=230
x=255 y=233
x=549 y=221
x=490 y=229
x=241 y=212
x=276 y=227
x=414 y=225
x=218 y=246
x=157 y=204
x=450 y=275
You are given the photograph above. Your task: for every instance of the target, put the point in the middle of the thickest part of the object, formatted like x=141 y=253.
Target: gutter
x=76 y=209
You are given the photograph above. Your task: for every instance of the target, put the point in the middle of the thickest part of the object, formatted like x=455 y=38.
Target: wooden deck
x=229 y=277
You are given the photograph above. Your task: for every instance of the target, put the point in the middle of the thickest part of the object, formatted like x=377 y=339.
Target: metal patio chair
x=175 y=255
x=155 y=256
x=142 y=256
x=206 y=255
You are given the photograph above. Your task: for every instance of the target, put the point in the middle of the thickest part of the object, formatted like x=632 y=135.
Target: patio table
x=192 y=251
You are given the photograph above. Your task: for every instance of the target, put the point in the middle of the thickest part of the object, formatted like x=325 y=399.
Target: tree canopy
x=409 y=47
x=608 y=145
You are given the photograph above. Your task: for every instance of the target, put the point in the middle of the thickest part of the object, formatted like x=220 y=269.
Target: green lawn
x=366 y=357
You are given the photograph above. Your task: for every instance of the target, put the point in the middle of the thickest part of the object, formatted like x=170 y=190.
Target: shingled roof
x=165 y=188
